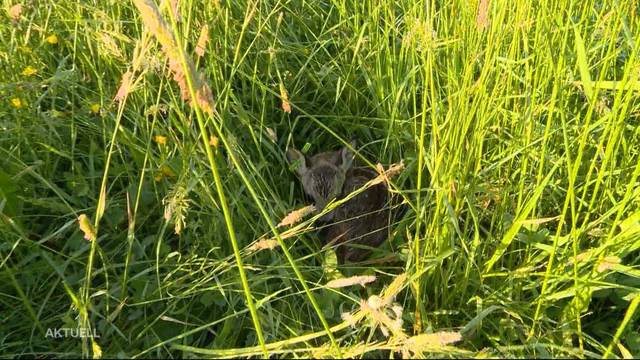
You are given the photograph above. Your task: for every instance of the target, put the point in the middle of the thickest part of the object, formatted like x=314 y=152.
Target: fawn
x=362 y=222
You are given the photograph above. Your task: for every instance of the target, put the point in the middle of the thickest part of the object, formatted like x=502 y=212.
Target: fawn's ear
x=297 y=159
x=347 y=156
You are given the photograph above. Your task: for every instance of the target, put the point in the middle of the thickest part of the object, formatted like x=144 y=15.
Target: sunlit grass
x=517 y=124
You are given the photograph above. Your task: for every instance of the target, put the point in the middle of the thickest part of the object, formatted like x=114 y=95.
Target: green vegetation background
x=517 y=122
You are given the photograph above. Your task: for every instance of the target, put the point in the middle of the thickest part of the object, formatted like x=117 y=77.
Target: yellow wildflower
x=29 y=70
x=214 y=141
x=160 y=140
x=17 y=103
x=95 y=108
x=97 y=351
x=164 y=171
x=52 y=39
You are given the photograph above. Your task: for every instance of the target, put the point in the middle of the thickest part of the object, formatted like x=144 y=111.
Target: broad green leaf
x=476 y=322
x=614 y=85
x=631 y=224
x=583 y=65
x=631 y=310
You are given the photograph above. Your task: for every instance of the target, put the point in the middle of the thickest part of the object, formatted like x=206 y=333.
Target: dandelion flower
x=160 y=140
x=97 y=351
x=95 y=108
x=17 y=103
x=52 y=39
x=29 y=70
x=214 y=141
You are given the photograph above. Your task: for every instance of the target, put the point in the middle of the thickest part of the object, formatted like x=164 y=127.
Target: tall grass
x=517 y=123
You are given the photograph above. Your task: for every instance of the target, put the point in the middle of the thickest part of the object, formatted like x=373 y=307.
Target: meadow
x=145 y=193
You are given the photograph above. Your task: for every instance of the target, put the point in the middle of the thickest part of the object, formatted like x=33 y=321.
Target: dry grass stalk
x=583 y=256
x=482 y=18
x=125 y=87
x=159 y=28
x=296 y=216
x=436 y=342
x=378 y=311
x=385 y=175
x=284 y=96
x=608 y=263
x=86 y=227
x=176 y=204
x=381 y=312
x=426 y=341
x=14 y=13
x=350 y=281
x=394 y=288
x=272 y=243
x=108 y=44
x=175 y=8
x=271 y=134
x=263 y=244
x=202 y=41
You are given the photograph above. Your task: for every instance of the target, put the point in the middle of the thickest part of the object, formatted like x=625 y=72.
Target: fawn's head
x=322 y=175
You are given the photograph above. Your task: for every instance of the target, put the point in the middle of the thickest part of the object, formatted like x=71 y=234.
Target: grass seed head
x=125 y=87
x=14 y=13
x=482 y=19
x=202 y=41
x=86 y=227
x=296 y=216
x=361 y=280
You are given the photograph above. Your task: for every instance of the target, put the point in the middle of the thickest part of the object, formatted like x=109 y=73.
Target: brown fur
x=361 y=222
